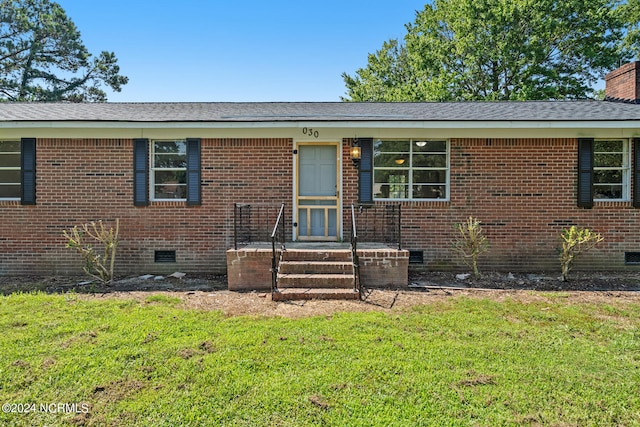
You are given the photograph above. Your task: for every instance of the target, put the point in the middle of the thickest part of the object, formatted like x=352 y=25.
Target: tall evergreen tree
x=42 y=57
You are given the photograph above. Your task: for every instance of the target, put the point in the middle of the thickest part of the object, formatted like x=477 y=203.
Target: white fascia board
x=442 y=129
x=328 y=130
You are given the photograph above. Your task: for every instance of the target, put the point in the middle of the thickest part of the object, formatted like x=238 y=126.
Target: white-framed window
x=169 y=170
x=407 y=169
x=611 y=169
x=10 y=179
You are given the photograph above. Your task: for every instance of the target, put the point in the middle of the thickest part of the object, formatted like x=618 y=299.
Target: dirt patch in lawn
x=209 y=292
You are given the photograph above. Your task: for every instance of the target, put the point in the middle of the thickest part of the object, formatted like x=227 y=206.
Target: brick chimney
x=623 y=84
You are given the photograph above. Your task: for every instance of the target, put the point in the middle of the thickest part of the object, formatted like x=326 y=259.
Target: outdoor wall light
x=355 y=153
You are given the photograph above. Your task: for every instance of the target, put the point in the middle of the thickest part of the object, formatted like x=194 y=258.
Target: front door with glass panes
x=317 y=194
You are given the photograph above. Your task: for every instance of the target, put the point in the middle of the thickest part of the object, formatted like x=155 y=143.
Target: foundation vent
x=632 y=258
x=164 y=256
x=416 y=257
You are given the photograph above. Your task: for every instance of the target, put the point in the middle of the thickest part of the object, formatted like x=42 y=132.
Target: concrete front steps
x=305 y=274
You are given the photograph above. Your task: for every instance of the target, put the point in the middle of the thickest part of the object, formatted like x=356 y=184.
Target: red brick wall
x=88 y=180
x=523 y=191
x=349 y=176
x=249 y=269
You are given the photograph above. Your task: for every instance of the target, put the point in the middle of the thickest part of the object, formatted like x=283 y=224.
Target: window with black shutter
x=167 y=170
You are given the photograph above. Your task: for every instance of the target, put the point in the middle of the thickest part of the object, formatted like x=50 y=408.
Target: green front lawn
x=462 y=362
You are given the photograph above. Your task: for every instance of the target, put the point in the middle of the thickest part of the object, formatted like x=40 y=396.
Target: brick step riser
x=293 y=255
x=329 y=281
x=307 y=275
x=299 y=267
x=324 y=294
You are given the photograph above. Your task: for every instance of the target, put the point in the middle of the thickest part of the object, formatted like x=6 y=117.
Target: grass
x=464 y=362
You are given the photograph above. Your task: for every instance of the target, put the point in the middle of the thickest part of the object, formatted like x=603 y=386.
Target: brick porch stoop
x=315 y=274
x=315 y=271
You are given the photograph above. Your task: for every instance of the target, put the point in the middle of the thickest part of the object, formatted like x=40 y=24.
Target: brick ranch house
x=179 y=175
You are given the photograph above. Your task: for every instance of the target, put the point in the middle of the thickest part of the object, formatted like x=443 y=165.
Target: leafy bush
x=82 y=239
x=575 y=240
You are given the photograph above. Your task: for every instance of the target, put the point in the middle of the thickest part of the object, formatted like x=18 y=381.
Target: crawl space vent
x=416 y=257
x=632 y=258
x=164 y=256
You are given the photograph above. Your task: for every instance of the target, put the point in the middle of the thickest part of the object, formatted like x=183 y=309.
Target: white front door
x=317 y=198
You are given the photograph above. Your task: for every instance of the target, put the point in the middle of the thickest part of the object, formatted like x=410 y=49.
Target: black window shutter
x=28 y=171
x=365 y=181
x=140 y=172
x=194 y=192
x=636 y=173
x=585 y=172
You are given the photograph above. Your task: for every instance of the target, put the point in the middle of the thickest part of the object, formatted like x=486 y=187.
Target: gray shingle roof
x=321 y=111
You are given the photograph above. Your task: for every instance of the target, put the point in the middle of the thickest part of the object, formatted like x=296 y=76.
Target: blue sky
x=190 y=50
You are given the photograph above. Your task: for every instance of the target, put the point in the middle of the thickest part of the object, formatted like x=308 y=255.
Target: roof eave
x=373 y=124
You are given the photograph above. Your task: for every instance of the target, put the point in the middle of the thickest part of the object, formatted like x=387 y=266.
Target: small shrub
x=575 y=240
x=470 y=243
x=82 y=240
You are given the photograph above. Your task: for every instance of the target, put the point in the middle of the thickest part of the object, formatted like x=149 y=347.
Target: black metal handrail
x=252 y=222
x=354 y=253
x=275 y=260
x=380 y=224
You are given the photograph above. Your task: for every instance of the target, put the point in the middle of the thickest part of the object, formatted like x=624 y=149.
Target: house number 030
x=311 y=132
